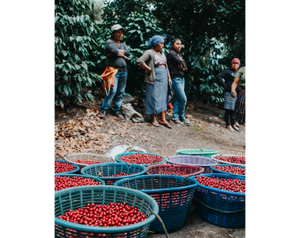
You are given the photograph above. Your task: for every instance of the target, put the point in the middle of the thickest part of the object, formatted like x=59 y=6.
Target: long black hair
x=172 y=39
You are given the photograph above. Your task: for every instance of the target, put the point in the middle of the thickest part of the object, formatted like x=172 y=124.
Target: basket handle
x=219 y=210
x=162 y=223
x=185 y=177
x=63 y=157
x=99 y=174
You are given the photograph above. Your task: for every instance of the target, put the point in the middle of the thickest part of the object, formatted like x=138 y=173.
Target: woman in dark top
x=116 y=68
x=177 y=69
x=225 y=79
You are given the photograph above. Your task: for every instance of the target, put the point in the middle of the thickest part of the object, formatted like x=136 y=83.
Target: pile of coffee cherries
x=62 y=167
x=232 y=159
x=63 y=182
x=231 y=169
x=141 y=159
x=88 y=162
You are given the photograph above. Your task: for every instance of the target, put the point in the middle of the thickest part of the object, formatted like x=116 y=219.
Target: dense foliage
x=212 y=31
x=76 y=51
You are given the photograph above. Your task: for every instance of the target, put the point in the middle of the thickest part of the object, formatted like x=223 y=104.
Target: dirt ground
x=207 y=131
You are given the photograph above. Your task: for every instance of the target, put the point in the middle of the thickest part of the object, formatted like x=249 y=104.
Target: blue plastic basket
x=173 y=194
x=109 y=169
x=223 y=172
x=82 y=176
x=117 y=157
x=219 y=207
x=78 y=197
x=69 y=172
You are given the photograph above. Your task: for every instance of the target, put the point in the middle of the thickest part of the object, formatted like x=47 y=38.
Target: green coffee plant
x=76 y=52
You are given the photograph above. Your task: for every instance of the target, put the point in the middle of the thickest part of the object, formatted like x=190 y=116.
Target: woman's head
x=156 y=42
x=176 y=43
x=117 y=32
x=235 y=64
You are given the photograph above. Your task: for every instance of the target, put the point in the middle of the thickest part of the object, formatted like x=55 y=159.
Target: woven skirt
x=157 y=93
x=229 y=101
x=242 y=100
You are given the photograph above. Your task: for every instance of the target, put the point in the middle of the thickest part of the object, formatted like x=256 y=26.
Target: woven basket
x=219 y=207
x=117 y=157
x=112 y=169
x=69 y=172
x=81 y=176
x=185 y=169
x=223 y=172
x=224 y=162
x=86 y=156
x=75 y=198
x=173 y=194
x=190 y=160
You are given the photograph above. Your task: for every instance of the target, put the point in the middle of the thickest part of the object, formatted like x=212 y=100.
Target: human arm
x=142 y=61
x=237 y=80
x=234 y=86
x=145 y=67
x=176 y=59
x=125 y=51
x=169 y=79
x=113 y=50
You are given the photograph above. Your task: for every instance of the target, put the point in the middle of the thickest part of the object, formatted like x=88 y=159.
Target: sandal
x=166 y=125
x=235 y=128
x=231 y=129
x=154 y=123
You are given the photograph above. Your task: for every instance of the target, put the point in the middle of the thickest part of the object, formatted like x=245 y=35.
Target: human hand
x=233 y=93
x=181 y=67
x=148 y=71
x=169 y=79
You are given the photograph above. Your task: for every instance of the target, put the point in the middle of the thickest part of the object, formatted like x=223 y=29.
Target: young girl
x=177 y=69
x=157 y=78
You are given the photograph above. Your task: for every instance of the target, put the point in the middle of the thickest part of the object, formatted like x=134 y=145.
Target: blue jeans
x=116 y=92
x=180 y=99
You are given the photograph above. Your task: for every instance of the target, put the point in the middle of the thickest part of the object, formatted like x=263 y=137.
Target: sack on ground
x=130 y=113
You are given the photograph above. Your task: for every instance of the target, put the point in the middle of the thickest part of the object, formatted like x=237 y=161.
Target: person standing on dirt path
x=178 y=69
x=225 y=79
x=157 y=78
x=115 y=74
x=240 y=105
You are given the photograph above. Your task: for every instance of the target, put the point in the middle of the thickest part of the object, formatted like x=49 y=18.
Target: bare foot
x=230 y=128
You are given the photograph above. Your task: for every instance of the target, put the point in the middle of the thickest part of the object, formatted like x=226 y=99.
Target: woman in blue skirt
x=157 y=78
x=225 y=79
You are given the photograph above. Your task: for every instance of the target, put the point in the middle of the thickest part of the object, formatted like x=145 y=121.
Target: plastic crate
x=173 y=194
x=185 y=169
x=82 y=176
x=199 y=161
x=78 y=197
x=224 y=162
x=226 y=165
x=112 y=169
x=201 y=152
x=219 y=207
x=69 y=172
x=117 y=157
x=87 y=156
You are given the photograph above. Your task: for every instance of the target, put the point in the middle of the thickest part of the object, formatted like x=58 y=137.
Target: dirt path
x=207 y=131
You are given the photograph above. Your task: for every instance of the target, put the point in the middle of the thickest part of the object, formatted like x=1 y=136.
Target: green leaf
x=60 y=88
x=61 y=103
x=77 y=67
x=66 y=78
x=65 y=53
x=66 y=90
